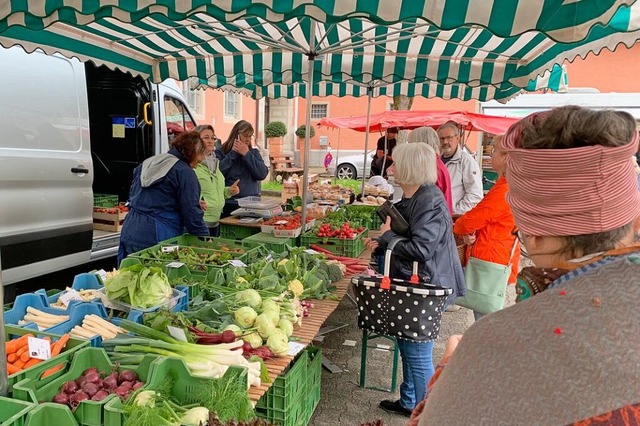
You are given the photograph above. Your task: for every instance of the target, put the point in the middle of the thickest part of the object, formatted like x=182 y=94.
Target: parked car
x=351 y=166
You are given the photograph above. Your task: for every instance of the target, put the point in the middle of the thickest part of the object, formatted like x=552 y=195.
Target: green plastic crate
x=49 y=414
x=212 y=243
x=88 y=413
x=34 y=373
x=104 y=200
x=237 y=232
x=285 y=401
x=14 y=412
x=338 y=246
x=373 y=221
x=314 y=381
x=271 y=242
x=184 y=388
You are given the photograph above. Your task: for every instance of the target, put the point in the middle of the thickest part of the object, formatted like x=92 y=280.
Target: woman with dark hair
x=213 y=192
x=241 y=161
x=164 y=197
x=569 y=351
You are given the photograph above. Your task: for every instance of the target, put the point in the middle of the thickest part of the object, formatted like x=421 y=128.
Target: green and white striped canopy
x=474 y=49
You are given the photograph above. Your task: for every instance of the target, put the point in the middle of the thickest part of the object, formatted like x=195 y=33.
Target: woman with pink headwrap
x=569 y=351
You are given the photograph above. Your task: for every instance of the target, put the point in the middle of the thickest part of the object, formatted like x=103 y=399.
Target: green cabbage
x=270 y=305
x=264 y=325
x=139 y=286
x=253 y=339
x=245 y=317
x=278 y=342
x=249 y=297
x=286 y=326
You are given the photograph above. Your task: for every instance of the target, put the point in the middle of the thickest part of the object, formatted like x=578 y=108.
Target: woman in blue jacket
x=240 y=160
x=165 y=197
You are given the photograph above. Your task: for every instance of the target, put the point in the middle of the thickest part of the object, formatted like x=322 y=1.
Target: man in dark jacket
x=383 y=159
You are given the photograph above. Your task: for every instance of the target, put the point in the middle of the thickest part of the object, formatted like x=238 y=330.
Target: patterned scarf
x=533 y=280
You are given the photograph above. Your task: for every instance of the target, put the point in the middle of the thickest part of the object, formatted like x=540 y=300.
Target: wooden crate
x=108 y=221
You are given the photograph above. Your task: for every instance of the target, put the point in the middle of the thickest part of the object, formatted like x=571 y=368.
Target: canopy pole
x=307 y=128
x=3 y=354
x=335 y=175
x=366 y=139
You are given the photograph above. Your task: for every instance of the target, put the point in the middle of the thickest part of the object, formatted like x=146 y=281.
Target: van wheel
x=346 y=171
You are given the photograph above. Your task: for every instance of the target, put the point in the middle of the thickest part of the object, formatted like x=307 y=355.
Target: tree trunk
x=402 y=103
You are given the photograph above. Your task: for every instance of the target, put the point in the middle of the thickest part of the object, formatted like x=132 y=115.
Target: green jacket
x=212 y=190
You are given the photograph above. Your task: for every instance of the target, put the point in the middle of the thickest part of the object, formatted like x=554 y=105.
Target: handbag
x=410 y=310
x=486 y=284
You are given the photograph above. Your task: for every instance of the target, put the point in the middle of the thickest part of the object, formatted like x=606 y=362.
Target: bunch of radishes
x=306 y=305
x=92 y=386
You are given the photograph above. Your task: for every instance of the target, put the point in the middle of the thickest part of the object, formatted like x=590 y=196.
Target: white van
x=67 y=130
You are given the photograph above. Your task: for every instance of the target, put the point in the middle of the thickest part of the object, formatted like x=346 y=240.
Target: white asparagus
x=82 y=332
x=106 y=324
x=42 y=320
x=102 y=332
x=34 y=311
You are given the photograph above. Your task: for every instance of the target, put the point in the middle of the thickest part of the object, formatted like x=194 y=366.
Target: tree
x=275 y=129
x=402 y=103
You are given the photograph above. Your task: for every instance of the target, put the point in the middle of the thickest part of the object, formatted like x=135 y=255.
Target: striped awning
x=480 y=49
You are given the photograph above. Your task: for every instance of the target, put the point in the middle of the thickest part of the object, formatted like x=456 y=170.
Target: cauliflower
x=296 y=287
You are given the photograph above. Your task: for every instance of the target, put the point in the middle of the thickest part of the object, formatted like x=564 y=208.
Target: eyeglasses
x=447 y=138
x=518 y=234
x=246 y=136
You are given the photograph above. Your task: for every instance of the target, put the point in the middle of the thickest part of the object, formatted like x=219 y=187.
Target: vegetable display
x=19 y=358
x=195 y=259
x=139 y=286
x=344 y=231
x=210 y=361
x=96 y=386
x=85 y=296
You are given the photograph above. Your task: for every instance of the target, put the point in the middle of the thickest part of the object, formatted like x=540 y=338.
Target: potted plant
x=274 y=132
x=301 y=134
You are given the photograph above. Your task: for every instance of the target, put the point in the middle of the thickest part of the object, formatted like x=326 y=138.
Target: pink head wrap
x=575 y=191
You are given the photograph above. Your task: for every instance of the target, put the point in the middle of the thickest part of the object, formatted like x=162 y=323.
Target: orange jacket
x=492 y=222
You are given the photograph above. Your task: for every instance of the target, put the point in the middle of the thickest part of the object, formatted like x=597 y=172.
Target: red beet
x=90 y=389
x=138 y=385
x=111 y=381
x=128 y=385
x=127 y=376
x=69 y=387
x=100 y=395
x=90 y=370
x=79 y=397
x=61 y=398
x=122 y=391
x=92 y=377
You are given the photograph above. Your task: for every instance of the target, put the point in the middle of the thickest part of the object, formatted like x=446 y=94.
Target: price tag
x=237 y=263
x=294 y=348
x=311 y=251
x=175 y=265
x=281 y=222
x=39 y=348
x=268 y=259
x=170 y=249
x=177 y=333
x=68 y=296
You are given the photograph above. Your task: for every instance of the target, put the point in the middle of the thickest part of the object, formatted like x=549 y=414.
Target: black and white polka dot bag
x=409 y=310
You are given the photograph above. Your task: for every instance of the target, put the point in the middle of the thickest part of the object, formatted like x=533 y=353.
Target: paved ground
x=343 y=402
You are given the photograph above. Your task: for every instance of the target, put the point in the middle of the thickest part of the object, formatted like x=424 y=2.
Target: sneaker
x=452 y=308
x=395 y=407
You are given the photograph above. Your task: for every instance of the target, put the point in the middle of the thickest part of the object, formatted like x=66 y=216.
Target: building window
x=232 y=105
x=319 y=111
x=195 y=98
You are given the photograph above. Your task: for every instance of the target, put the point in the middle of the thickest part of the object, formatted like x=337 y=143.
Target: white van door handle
x=79 y=170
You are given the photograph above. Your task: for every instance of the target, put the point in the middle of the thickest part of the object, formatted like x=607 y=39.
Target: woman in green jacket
x=212 y=190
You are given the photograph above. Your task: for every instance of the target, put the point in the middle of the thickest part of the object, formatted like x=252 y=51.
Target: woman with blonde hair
x=213 y=192
x=569 y=351
x=429 y=243
x=430 y=137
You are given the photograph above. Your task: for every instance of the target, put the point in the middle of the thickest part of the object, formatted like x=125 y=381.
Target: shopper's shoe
x=452 y=308
x=395 y=407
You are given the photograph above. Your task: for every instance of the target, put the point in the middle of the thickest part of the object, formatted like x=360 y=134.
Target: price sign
x=102 y=274
x=68 y=296
x=170 y=249
x=237 y=263
x=177 y=333
x=311 y=251
x=175 y=265
x=281 y=222
x=39 y=348
x=294 y=348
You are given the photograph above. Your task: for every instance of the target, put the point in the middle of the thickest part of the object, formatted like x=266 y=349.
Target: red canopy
x=414 y=119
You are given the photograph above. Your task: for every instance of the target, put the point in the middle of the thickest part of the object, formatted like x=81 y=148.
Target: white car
x=351 y=166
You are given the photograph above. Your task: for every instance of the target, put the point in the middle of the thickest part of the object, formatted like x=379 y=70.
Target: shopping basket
x=403 y=309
